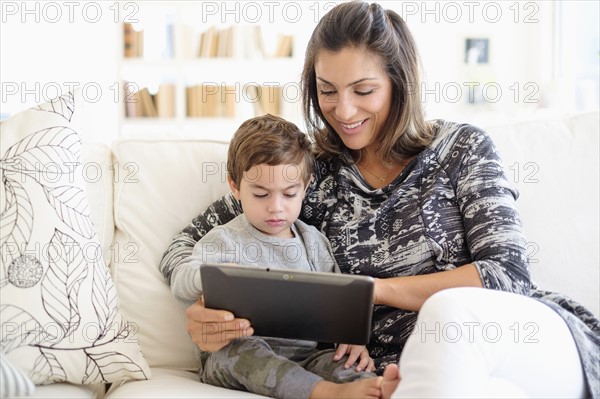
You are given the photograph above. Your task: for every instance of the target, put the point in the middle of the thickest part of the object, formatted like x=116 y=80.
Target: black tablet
x=316 y=306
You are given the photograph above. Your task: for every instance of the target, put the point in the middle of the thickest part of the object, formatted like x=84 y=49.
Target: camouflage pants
x=274 y=367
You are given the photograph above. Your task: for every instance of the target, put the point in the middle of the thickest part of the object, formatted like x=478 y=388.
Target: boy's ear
x=233 y=188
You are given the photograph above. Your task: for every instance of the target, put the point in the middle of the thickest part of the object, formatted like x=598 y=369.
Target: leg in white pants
x=473 y=342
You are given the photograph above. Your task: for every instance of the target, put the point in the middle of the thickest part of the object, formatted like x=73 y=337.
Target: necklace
x=381 y=179
x=393 y=168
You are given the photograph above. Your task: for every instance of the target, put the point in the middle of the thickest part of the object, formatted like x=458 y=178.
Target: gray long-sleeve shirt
x=240 y=242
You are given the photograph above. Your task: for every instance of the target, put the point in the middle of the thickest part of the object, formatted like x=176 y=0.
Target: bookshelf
x=185 y=75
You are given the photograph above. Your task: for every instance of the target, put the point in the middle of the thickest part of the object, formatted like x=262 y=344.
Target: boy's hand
x=213 y=329
x=355 y=353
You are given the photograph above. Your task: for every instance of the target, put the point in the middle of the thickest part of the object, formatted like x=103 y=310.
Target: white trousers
x=473 y=342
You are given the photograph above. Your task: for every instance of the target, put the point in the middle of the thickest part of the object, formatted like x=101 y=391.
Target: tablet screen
x=316 y=306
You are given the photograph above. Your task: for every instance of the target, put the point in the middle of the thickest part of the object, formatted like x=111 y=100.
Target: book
x=211 y=101
x=208 y=43
x=268 y=100
x=284 y=46
x=165 y=100
x=133 y=104
x=148 y=106
x=168 y=51
x=225 y=42
x=253 y=42
x=190 y=101
x=133 y=41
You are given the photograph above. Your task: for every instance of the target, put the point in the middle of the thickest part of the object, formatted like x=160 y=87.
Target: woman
x=425 y=208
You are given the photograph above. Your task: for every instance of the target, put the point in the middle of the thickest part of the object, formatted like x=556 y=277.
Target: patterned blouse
x=450 y=206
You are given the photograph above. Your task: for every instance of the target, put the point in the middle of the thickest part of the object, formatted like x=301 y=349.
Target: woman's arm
x=411 y=292
x=220 y=212
x=492 y=226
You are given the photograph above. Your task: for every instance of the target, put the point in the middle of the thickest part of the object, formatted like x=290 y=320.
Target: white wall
x=48 y=45
x=520 y=55
x=40 y=57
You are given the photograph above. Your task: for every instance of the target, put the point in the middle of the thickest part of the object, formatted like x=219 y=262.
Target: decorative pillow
x=14 y=383
x=59 y=309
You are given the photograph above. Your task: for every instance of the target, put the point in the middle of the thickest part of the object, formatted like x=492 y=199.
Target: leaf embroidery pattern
x=20 y=328
x=63 y=106
x=102 y=366
x=47 y=369
x=60 y=288
x=125 y=330
x=72 y=208
x=45 y=155
x=16 y=221
x=104 y=298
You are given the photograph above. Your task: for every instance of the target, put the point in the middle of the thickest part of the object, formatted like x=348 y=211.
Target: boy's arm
x=218 y=246
x=181 y=248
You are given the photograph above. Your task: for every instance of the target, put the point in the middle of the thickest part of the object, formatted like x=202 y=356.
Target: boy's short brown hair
x=270 y=140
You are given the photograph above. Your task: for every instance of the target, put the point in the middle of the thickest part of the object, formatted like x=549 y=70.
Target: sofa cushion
x=59 y=312
x=553 y=162
x=167 y=183
x=97 y=171
x=174 y=384
x=65 y=390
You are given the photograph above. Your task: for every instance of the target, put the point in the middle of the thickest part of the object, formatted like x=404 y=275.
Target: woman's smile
x=352 y=128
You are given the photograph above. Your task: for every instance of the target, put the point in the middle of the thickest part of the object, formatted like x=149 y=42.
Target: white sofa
x=151 y=188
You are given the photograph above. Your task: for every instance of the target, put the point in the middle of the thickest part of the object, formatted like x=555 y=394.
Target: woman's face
x=355 y=94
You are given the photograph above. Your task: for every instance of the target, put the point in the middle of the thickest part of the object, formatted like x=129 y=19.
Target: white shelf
x=236 y=75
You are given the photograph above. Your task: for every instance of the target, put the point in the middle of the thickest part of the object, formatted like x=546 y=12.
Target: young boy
x=269 y=166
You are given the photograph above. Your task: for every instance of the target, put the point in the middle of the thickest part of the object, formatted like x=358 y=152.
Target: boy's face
x=271 y=197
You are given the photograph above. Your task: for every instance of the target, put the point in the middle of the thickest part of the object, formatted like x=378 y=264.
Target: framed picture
x=477 y=51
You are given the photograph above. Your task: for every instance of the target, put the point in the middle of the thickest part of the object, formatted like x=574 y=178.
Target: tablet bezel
x=315 y=306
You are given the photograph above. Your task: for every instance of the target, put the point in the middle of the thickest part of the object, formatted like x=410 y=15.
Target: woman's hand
x=212 y=329
x=355 y=352
x=410 y=292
